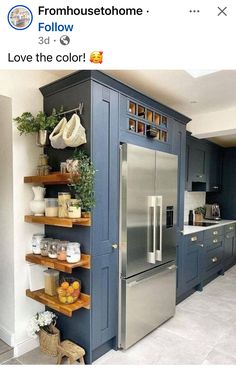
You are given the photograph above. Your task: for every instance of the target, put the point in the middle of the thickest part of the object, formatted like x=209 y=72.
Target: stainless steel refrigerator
x=148 y=211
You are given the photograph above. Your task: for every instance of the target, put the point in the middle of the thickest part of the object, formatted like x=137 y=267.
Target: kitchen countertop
x=188 y=229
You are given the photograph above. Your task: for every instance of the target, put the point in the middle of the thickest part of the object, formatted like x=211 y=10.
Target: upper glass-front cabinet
x=144 y=121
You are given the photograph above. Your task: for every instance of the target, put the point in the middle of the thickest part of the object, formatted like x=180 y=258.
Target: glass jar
x=51 y=207
x=73 y=208
x=63 y=168
x=73 y=254
x=51 y=281
x=61 y=251
x=44 y=246
x=52 y=250
x=36 y=240
x=63 y=197
x=43 y=160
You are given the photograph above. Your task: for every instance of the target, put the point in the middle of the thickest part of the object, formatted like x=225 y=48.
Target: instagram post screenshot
x=118 y=184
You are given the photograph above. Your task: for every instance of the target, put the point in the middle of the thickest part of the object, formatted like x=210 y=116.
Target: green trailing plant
x=82 y=180
x=200 y=210
x=27 y=123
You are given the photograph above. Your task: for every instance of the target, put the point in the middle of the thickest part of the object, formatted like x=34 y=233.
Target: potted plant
x=43 y=325
x=199 y=213
x=41 y=124
x=82 y=181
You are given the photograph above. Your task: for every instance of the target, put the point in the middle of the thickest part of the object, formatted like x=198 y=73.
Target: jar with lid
x=73 y=254
x=61 y=251
x=52 y=250
x=63 y=197
x=51 y=207
x=51 y=281
x=43 y=160
x=44 y=246
x=36 y=240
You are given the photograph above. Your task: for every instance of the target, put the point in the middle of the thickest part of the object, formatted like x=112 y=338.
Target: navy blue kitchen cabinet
x=109 y=108
x=229 y=246
x=213 y=256
x=203 y=165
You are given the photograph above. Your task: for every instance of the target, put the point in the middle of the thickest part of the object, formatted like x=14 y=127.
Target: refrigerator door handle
x=159 y=203
x=151 y=235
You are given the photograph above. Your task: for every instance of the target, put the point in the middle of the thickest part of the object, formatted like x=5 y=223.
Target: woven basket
x=48 y=342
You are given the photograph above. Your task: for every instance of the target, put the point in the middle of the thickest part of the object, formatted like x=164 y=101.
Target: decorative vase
x=198 y=217
x=49 y=341
x=42 y=138
x=37 y=206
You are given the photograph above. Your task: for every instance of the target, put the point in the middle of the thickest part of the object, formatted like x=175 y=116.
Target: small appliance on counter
x=212 y=212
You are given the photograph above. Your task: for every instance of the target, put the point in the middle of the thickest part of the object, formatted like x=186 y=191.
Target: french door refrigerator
x=148 y=211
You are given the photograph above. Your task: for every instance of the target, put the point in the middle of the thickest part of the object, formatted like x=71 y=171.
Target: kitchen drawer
x=213 y=243
x=214 y=257
x=194 y=238
x=230 y=228
x=213 y=232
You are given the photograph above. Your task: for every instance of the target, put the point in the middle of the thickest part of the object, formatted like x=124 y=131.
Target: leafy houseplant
x=82 y=181
x=40 y=124
x=199 y=213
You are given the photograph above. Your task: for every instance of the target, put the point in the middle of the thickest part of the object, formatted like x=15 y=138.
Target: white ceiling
x=182 y=92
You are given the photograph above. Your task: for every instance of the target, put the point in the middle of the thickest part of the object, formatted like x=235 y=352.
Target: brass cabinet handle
x=215 y=240
x=201 y=245
x=215 y=233
x=228 y=236
x=231 y=228
x=199 y=176
x=115 y=246
x=214 y=260
x=215 y=187
x=194 y=238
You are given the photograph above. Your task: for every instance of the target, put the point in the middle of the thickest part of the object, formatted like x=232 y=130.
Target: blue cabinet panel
x=104 y=298
x=105 y=155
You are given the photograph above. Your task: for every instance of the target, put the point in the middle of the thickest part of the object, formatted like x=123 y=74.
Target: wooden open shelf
x=59 y=265
x=53 y=302
x=59 y=222
x=53 y=178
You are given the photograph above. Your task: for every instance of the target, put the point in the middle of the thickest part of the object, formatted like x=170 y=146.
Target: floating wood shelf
x=53 y=302
x=59 y=222
x=59 y=265
x=53 y=178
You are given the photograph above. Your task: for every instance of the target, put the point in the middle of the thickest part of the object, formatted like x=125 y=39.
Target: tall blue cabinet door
x=104 y=299
x=105 y=224
x=105 y=155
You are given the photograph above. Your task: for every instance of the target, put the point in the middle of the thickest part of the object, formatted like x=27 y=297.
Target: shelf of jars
x=150 y=123
x=62 y=266
x=53 y=302
x=58 y=222
x=52 y=178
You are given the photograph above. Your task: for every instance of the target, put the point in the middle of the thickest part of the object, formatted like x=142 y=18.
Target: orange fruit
x=61 y=292
x=70 y=290
x=76 y=293
x=75 y=285
x=65 y=285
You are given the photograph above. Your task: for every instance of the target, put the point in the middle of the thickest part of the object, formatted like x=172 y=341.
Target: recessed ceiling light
x=200 y=73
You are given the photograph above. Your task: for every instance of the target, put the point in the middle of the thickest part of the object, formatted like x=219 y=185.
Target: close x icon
x=222 y=11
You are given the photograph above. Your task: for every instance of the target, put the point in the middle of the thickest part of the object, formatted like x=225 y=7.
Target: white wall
x=22 y=88
x=6 y=223
x=192 y=200
x=214 y=124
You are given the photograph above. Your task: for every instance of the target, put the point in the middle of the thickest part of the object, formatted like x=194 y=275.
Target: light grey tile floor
x=203 y=331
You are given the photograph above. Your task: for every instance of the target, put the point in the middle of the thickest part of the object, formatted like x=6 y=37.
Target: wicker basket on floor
x=49 y=342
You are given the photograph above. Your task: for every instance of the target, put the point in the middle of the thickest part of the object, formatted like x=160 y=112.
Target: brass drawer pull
x=214 y=260
x=231 y=228
x=215 y=233
x=215 y=240
x=228 y=236
x=194 y=238
x=201 y=245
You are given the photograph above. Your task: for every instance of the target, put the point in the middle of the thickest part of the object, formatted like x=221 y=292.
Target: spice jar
x=63 y=197
x=36 y=240
x=52 y=250
x=51 y=281
x=44 y=246
x=61 y=251
x=73 y=254
x=51 y=206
